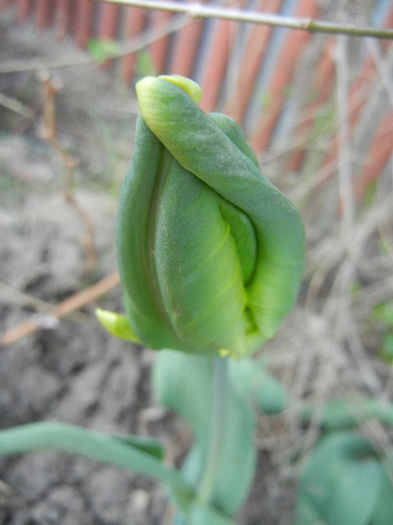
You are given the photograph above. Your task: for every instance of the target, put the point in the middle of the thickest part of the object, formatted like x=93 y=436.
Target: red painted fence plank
x=286 y=65
x=253 y=57
x=135 y=20
x=108 y=24
x=23 y=9
x=186 y=48
x=378 y=154
x=213 y=79
x=63 y=17
x=360 y=88
x=159 y=48
x=43 y=13
x=84 y=22
x=109 y=17
x=324 y=83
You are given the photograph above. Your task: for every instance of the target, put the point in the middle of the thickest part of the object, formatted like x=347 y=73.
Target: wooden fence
x=280 y=84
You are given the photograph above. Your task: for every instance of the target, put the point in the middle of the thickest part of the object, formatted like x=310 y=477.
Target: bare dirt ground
x=70 y=370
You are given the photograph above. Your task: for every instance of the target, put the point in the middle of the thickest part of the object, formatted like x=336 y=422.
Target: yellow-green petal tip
x=189 y=86
x=116 y=324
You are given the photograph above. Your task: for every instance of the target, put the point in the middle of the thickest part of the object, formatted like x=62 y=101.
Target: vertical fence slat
x=84 y=22
x=253 y=57
x=43 y=13
x=159 y=48
x=186 y=48
x=108 y=24
x=63 y=17
x=135 y=20
x=292 y=48
x=23 y=9
x=218 y=59
x=378 y=155
x=109 y=16
x=325 y=78
x=214 y=75
x=360 y=88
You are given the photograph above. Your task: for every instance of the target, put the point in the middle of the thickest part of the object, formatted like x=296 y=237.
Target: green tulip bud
x=210 y=253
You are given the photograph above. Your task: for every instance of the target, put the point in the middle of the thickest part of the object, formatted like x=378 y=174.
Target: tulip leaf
x=340 y=414
x=183 y=383
x=383 y=510
x=341 y=483
x=114 y=450
x=148 y=445
x=265 y=392
x=201 y=515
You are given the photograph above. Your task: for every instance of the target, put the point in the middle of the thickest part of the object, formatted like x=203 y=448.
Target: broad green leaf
x=383 y=510
x=183 y=383
x=341 y=414
x=356 y=494
x=265 y=392
x=341 y=482
x=150 y=446
x=96 y=445
x=201 y=515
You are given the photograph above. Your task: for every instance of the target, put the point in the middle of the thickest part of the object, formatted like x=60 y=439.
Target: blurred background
x=318 y=111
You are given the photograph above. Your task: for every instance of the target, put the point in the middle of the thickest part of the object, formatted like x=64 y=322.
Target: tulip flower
x=210 y=253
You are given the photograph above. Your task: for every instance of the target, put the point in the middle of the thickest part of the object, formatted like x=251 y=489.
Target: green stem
x=217 y=429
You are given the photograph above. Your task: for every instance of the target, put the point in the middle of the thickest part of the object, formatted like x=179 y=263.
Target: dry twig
x=50 y=135
x=75 y=302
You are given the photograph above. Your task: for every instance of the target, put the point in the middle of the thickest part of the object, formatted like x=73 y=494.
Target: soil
x=71 y=370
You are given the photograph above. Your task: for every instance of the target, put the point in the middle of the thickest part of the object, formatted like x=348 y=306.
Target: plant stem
x=198 y=10
x=217 y=429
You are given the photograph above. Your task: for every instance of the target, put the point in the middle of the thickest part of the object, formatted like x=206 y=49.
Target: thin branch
x=197 y=10
x=14 y=105
x=75 y=302
x=344 y=149
x=69 y=163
